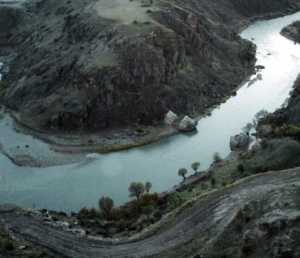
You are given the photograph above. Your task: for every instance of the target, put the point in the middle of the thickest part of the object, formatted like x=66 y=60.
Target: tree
x=195 y=166
x=106 y=205
x=148 y=187
x=182 y=172
x=217 y=158
x=260 y=116
x=136 y=189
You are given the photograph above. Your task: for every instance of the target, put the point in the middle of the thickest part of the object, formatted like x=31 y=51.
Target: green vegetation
x=109 y=221
x=195 y=166
x=6 y=243
x=3 y=87
x=182 y=172
x=148 y=187
x=175 y=200
x=106 y=205
x=217 y=158
x=136 y=189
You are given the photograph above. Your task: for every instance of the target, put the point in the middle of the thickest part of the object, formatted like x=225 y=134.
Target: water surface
x=71 y=187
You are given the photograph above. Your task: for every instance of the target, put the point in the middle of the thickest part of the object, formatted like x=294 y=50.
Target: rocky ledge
x=88 y=65
x=292 y=31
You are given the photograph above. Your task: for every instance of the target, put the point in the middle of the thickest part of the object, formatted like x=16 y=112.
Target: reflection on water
x=73 y=186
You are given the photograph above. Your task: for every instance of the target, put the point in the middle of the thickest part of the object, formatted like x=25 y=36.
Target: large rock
x=78 y=66
x=84 y=68
x=239 y=141
x=187 y=124
x=265 y=130
x=170 y=118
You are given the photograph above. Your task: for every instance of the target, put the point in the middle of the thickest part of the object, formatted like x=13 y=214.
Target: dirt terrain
x=256 y=217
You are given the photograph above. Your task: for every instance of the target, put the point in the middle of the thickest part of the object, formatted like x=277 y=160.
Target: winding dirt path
x=176 y=237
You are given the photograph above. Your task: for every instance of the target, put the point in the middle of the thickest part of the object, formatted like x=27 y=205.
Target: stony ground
x=257 y=217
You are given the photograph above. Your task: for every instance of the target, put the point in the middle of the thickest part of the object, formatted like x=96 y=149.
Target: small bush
x=217 y=158
x=240 y=168
x=213 y=182
x=174 y=200
x=106 y=205
x=6 y=245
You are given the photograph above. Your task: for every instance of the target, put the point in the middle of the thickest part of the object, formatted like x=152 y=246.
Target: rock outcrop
x=292 y=31
x=187 y=124
x=239 y=142
x=171 y=118
x=88 y=65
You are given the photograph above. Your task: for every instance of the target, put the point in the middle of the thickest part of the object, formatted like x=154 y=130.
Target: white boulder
x=187 y=124
x=170 y=118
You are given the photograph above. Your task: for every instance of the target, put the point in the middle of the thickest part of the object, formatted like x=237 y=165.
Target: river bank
x=244 y=206
x=107 y=140
x=242 y=212
x=70 y=187
x=120 y=139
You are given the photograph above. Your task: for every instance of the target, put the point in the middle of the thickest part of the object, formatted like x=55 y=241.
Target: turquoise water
x=70 y=187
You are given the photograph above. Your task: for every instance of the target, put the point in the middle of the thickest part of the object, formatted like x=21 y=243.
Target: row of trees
x=136 y=189
x=182 y=172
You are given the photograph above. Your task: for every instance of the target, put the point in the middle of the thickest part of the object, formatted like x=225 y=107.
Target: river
x=70 y=187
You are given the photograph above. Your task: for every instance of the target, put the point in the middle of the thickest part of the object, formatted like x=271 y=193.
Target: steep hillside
x=256 y=217
x=292 y=32
x=90 y=65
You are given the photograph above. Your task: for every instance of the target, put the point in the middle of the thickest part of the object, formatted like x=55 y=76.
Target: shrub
x=217 y=158
x=149 y=199
x=3 y=87
x=213 y=182
x=240 y=168
x=86 y=214
x=106 y=205
x=6 y=244
x=174 y=200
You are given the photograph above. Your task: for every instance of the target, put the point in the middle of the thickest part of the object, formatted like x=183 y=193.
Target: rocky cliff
x=292 y=31
x=91 y=65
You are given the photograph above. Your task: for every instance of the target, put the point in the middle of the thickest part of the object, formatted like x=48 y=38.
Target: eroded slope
x=95 y=65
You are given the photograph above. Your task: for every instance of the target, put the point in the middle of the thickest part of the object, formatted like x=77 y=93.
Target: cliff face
x=292 y=32
x=87 y=65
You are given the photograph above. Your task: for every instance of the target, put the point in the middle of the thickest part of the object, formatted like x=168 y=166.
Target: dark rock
x=79 y=70
x=239 y=142
x=292 y=31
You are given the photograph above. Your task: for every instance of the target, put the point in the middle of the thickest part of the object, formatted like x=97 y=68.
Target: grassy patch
x=3 y=88
x=6 y=244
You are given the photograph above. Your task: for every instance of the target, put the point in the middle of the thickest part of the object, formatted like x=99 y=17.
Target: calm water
x=70 y=187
